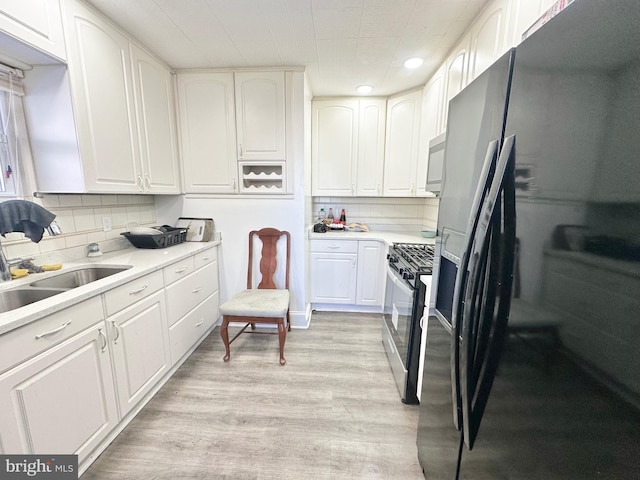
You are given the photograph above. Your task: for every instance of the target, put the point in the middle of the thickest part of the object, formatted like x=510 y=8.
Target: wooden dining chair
x=266 y=303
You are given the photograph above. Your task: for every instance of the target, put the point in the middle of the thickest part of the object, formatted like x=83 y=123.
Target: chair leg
x=288 y=321
x=282 y=336
x=224 y=333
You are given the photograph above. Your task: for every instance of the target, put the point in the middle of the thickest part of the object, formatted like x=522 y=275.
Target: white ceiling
x=342 y=43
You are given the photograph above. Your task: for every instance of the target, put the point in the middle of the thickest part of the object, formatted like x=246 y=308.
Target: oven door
x=397 y=331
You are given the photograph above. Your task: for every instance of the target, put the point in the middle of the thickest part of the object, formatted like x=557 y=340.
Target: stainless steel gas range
x=403 y=310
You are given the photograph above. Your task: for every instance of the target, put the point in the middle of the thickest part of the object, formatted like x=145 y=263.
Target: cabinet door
x=370 y=164
x=139 y=339
x=207 y=132
x=34 y=22
x=260 y=115
x=401 y=152
x=334 y=147
x=102 y=91
x=488 y=38
x=62 y=401
x=333 y=277
x=371 y=273
x=156 y=123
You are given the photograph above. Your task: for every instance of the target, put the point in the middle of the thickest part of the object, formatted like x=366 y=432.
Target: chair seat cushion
x=257 y=303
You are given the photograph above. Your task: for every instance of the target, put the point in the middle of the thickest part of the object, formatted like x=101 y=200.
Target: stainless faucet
x=5 y=272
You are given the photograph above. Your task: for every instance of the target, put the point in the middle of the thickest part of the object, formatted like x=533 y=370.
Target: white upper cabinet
x=232 y=130
x=260 y=115
x=488 y=38
x=401 y=149
x=102 y=92
x=371 y=136
x=156 y=123
x=347 y=143
x=207 y=132
x=36 y=23
x=334 y=146
x=106 y=122
x=431 y=125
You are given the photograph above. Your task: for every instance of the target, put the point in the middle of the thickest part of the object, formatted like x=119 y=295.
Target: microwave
x=435 y=163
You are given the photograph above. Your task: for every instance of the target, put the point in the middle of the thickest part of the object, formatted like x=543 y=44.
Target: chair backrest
x=269 y=257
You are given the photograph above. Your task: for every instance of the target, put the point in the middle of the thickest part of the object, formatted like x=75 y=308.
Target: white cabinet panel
x=488 y=38
x=260 y=115
x=371 y=135
x=185 y=333
x=35 y=22
x=333 y=278
x=371 y=276
x=401 y=150
x=61 y=401
x=334 y=146
x=207 y=132
x=139 y=338
x=156 y=124
x=431 y=125
x=102 y=89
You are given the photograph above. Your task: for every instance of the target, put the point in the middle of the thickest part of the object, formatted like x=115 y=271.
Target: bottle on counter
x=343 y=217
x=322 y=215
x=330 y=216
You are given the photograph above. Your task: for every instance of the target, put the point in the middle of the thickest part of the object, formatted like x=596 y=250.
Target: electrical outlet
x=106 y=223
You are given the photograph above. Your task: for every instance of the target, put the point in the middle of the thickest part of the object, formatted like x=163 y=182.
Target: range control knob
x=407 y=275
x=392 y=258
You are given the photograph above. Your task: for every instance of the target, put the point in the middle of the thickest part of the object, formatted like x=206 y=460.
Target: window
x=11 y=130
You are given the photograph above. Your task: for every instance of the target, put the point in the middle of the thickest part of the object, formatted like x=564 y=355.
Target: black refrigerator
x=531 y=365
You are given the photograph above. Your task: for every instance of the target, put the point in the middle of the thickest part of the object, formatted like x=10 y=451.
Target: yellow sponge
x=55 y=266
x=18 y=272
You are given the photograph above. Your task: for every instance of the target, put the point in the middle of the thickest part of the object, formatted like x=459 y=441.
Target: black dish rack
x=171 y=236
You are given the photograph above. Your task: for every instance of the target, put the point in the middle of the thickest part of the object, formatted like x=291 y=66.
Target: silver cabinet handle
x=135 y=292
x=199 y=323
x=180 y=270
x=140 y=183
x=196 y=290
x=240 y=151
x=117 y=330
x=333 y=247
x=104 y=338
x=206 y=259
x=55 y=330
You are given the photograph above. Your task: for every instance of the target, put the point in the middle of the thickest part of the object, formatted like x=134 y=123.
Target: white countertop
x=143 y=261
x=388 y=237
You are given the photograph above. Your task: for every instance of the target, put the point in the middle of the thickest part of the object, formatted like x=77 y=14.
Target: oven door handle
x=399 y=281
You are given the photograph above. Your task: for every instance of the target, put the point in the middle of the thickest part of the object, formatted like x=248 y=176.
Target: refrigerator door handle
x=458 y=311
x=491 y=278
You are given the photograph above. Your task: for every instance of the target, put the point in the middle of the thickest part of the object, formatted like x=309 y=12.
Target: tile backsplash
x=80 y=218
x=380 y=213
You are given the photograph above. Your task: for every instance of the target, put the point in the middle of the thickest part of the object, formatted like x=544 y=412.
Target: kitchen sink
x=19 y=297
x=79 y=277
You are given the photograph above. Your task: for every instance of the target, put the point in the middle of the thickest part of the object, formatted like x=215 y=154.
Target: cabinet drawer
x=333 y=246
x=178 y=270
x=185 y=294
x=185 y=333
x=129 y=293
x=204 y=258
x=29 y=340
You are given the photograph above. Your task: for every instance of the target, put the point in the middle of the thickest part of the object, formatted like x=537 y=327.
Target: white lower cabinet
x=347 y=272
x=192 y=301
x=69 y=380
x=371 y=277
x=139 y=340
x=61 y=401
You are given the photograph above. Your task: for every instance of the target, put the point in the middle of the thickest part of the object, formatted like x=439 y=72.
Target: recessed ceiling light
x=413 y=62
x=364 y=89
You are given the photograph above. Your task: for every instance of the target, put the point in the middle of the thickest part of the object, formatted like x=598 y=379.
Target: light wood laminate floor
x=333 y=412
